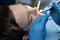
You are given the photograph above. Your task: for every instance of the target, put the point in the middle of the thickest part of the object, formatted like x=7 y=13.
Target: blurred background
x=28 y=2
x=34 y=3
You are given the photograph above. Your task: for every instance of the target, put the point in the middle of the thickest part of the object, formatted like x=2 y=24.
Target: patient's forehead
x=22 y=16
x=20 y=13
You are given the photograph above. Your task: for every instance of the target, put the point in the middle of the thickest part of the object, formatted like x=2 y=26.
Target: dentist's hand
x=56 y=5
x=24 y=15
x=55 y=11
x=38 y=28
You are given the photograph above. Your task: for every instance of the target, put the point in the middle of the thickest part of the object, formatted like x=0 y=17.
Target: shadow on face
x=13 y=23
x=9 y=29
x=24 y=15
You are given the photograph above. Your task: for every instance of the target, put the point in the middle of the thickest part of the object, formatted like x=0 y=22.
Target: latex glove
x=25 y=15
x=56 y=5
x=55 y=12
x=38 y=28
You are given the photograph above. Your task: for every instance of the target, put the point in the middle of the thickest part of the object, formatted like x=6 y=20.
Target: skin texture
x=15 y=21
x=24 y=15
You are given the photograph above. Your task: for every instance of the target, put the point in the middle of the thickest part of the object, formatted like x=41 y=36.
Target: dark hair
x=9 y=29
x=7 y=2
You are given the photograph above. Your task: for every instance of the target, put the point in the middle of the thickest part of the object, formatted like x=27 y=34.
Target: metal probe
x=49 y=7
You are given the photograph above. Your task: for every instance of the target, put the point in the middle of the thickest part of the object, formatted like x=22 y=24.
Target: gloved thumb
x=45 y=17
x=42 y=19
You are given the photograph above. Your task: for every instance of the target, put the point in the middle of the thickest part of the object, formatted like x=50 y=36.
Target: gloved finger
x=55 y=5
x=45 y=17
x=36 y=21
x=42 y=19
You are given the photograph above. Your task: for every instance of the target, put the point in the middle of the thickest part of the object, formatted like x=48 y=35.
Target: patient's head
x=24 y=15
x=13 y=22
x=9 y=29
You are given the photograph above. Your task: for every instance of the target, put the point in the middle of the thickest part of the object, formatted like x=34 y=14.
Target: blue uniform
x=7 y=2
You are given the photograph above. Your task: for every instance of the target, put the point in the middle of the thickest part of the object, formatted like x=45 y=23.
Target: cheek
x=27 y=23
x=23 y=22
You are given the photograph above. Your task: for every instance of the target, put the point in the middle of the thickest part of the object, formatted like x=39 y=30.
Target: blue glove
x=38 y=28
x=55 y=12
x=56 y=5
